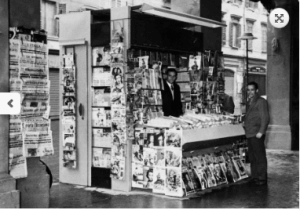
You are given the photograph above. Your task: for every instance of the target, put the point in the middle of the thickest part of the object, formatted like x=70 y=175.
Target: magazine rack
x=80 y=32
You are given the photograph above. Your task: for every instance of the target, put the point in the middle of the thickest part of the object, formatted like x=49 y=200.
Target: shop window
x=250 y=30
x=264 y=38
x=54 y=91
x=48 y=21
x=234 y=33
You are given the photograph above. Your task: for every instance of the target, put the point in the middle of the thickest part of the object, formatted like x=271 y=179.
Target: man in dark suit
x=171 y=97
x=256 y=123
x=227 y=104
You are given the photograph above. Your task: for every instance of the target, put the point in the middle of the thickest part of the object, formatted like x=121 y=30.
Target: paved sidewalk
x=281 y=192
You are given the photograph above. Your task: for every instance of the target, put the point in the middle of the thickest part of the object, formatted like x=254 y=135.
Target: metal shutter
x=54 y=91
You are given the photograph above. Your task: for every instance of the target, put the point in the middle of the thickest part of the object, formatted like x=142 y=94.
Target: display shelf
x=217 y=132
x=100 y=66
x=101 y=106
x=100 y=127
x=100 y=147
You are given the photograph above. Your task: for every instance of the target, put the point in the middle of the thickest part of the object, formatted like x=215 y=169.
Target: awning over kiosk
x=179 y=16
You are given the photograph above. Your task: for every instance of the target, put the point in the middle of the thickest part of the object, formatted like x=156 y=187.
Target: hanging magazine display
x=68 y=111
x=118 y=101
x=30 y=133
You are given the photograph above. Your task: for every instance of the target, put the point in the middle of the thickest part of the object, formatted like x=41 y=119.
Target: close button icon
x=10 y=103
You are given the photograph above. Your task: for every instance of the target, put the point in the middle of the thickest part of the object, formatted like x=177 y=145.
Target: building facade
x=244 y=16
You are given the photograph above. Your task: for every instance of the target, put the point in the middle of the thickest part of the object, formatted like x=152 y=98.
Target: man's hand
x=259 y=135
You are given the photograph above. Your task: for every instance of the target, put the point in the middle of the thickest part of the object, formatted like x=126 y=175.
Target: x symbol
x=279 y=18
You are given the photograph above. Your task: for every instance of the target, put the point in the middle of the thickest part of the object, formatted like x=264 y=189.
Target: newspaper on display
x=68 y=111
x=30 y=133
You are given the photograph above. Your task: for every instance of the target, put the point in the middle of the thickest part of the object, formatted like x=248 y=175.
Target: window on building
x=229 y=82
x=251 y=4
x=250 y=30
x=239 y=2
x=234 y=33
x=264 y=38
x=223 y=33
x=48 y=21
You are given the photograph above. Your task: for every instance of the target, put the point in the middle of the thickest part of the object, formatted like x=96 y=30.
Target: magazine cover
x=189 y=161
x=137 y=154
x=239 y=167
x=101 y=97
x=69 y=142
x=101 y=56
x=188 y=184
x=159 y=179
x=220 y=175
x=118 y=84
x=173 y=138
x=68 y=126
x=149 y=155
x=202 y=177
x=148 y=177
x=118 y=100
x=194 y=63
x=173 y=182
x=149 y=143
x=98 y=160
x=143 y=62
x=194 y=178
x=196 y=162
x=159 y=137
x=69 y=159
x=101 y=76
x=159 y=158
x=98 y=117
x=137 y=175
x=173 y=157
x=117 y=168
x=102 y=138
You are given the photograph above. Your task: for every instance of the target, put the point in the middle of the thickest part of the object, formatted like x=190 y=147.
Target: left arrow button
x=10 y=103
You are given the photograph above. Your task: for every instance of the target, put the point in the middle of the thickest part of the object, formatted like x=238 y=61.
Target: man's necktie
x=172 y=89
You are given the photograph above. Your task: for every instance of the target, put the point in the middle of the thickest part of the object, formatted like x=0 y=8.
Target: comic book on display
x=101 y=157
x=137 y=175
x=159 y=180
x=101 y=76
x=102 y=137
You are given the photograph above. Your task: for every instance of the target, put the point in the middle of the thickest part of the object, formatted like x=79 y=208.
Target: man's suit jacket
x=257 y=117
x=228 y=104
x=171 y=107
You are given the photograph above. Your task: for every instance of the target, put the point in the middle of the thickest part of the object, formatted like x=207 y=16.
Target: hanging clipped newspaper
x=68 y=111
x=30 y=134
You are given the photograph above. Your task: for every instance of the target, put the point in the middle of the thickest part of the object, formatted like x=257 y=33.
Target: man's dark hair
x=254 y=84
x=171 y=70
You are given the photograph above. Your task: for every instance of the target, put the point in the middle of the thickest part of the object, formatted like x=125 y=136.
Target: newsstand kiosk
x=99 y=50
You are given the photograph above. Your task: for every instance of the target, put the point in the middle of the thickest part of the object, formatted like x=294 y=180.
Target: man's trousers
x=258 y=158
